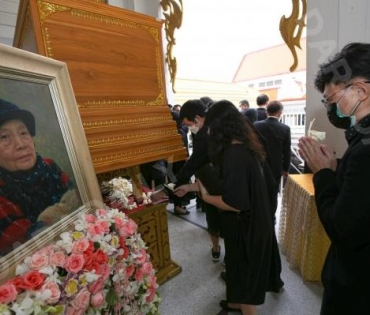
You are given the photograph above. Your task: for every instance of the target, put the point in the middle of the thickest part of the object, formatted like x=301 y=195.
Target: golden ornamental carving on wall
x=47 y=9
x=172 y=11
x=291 y=28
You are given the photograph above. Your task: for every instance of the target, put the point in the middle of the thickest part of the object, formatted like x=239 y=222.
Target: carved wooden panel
x=115 y=61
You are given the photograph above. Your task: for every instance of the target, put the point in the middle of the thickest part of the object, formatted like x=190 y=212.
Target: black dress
x=250 y=241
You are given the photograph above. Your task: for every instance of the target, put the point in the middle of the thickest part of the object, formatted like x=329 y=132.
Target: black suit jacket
x=261 y=113
x=278 y=140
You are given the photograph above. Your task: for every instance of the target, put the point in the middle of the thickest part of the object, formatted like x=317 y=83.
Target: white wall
x=330 y=26
x=8 y=19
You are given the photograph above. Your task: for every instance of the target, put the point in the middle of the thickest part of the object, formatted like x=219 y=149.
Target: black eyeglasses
x=325 y=100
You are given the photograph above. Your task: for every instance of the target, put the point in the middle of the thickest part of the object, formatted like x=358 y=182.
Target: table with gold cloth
x=301 y=235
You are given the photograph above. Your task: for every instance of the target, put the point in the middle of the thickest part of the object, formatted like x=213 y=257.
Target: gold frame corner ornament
x=291 y=28
x=173 y=12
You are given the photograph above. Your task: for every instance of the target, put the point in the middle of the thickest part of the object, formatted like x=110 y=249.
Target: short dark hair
x=274 y=107
x=262 y=99
x=192 y=108
x=244 y=102
x=176 y=106
x=352 y=61
x=207 y=100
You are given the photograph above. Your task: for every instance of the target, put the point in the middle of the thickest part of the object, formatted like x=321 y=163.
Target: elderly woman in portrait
x=34 y=191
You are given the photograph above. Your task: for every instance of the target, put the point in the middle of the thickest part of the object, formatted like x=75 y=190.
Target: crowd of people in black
x=247 y=153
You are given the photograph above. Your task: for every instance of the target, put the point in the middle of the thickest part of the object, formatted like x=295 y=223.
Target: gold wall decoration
x=172 y=11
x=291 y=28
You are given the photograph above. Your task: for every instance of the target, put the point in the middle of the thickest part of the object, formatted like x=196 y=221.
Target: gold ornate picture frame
x=23 y=69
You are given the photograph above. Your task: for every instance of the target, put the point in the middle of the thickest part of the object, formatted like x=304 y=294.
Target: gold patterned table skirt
x=153 y=227
x=301 y=234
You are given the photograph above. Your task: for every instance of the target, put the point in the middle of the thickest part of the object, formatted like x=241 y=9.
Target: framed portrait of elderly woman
x=47 y=178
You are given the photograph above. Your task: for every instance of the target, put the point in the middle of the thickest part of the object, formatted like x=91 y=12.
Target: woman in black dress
x=247 y=216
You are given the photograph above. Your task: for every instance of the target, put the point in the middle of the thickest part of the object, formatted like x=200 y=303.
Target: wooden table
x=301 y=234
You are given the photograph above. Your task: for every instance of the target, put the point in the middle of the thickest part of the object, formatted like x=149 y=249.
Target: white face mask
x=194 y=129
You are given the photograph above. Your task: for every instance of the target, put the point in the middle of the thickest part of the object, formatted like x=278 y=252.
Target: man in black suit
x=251 y=113
x=262 y=101
x=278 y=140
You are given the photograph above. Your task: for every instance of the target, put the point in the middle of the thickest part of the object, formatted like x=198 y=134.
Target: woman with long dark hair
x=247 y=216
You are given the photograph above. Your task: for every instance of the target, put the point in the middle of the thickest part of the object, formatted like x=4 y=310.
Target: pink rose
x=58 y=259
x=38 y=261
x=130 y=271
x=32 y=280
x=74 y=263
x=119 y=222
x=97 y=300
x=103 y=225
x=147 y=268
x=101 y=212
x=82 y=299
x=139 y=275
x=80 y=246
x=94 y=230
x=142 y=257
x=48 y=249
x=151 y=295
x=55 y=292
x=127 y=229
x=104 y=271
x=89 y=218
x=8 y=293
x=96 y=286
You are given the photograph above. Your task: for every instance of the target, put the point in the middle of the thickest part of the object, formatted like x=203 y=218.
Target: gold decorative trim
x=47 y=9
x=128 y=154
x=292 y=25
x=173 y=20
x=111 y=104
x=120 y=122
x=122 y=139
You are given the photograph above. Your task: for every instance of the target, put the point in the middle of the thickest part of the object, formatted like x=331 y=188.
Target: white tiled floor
x=198 y=289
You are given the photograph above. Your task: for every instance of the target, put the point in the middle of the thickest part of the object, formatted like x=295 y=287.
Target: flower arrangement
x=100 y=267
x=120 y=190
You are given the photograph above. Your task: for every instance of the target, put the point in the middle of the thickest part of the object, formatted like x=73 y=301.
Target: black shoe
x=223 y=275
x=227 y=308
x=183 y=211
x=216 y=255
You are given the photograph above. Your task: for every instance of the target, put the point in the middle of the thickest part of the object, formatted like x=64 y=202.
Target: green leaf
x=112 y=297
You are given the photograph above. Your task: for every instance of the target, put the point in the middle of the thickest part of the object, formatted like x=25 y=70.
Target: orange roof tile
x=270 y=61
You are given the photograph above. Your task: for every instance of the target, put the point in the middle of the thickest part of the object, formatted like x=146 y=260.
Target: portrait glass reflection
x=37 y=183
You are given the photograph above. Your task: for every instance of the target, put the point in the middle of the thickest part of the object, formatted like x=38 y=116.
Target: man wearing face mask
x=342 y=190
x=192 y=115
x=335 y=120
